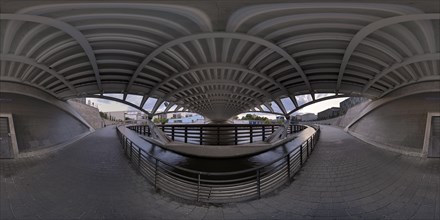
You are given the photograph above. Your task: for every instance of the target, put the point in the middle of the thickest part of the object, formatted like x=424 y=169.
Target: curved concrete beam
x=228 y=66
x=410 y=60
x=195 y=15
x=244 y=14
x=217 y=82
x=68 y=29
x=21 y=59
x=238 y=36
x=367 y=30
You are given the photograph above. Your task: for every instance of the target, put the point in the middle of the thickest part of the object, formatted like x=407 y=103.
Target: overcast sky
x=105 y=105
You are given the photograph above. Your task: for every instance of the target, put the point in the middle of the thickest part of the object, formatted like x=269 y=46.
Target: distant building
x=197 y=119
x=305 y=117
x=279 y=118
x=80 y=100
x=121 y=115
x=117 y=115
x=328 y=113
x=162 y=116
x=309 y=117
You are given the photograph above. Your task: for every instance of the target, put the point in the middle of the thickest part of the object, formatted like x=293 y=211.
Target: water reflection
x=220 y=164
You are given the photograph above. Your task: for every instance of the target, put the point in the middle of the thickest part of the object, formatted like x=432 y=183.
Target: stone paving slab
x=345 y=178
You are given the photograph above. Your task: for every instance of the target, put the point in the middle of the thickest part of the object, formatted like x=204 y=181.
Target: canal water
x=216 y=165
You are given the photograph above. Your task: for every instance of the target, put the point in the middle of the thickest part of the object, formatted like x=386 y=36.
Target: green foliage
x=160 y=120
x=103 y=115
x=255 y=117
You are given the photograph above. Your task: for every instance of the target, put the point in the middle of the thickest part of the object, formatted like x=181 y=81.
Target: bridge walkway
x=345 y=178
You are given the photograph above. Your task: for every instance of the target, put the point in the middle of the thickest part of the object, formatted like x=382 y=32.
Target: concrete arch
x=21 y=59
x=223 y=82
x=222 y=66
x=147 y=30
x=74 y=33
x=220 y=92
x=122 y=38
x=193 y=14
x=367 y=30
x=196 y=37
x=146 y=18
x=242 y=15
x=410 y=60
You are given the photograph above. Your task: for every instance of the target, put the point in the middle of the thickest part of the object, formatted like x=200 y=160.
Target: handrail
x=222 y=134
x=223 y=186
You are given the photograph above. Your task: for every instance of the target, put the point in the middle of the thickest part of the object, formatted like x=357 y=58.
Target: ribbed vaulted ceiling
x=264 y=54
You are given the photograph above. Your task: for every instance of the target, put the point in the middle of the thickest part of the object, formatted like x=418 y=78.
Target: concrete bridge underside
x=344 y=179
x=219 y=59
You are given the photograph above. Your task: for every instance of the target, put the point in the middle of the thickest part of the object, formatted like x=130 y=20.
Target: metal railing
x=219 y=187
x=211 y=134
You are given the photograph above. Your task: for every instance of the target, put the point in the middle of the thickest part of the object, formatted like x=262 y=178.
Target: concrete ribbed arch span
x=274 y=58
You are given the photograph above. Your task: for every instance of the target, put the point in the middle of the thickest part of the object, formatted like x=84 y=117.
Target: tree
x=160 y=120
x=103 y=115
x=254 y=117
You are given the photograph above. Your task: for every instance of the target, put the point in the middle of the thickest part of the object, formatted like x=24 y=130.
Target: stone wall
x=89 y=113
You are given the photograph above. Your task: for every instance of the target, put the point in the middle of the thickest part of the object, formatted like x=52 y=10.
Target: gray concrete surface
x=344 y=179
x=38 y=124
x=399 y=124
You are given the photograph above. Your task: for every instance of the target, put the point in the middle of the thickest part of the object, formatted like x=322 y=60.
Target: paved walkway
x=344 y=179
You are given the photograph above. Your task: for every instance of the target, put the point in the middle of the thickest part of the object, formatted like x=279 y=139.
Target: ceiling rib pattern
x=273 y=58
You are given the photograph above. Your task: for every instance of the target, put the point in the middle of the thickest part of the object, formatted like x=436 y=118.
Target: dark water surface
x=211 y=164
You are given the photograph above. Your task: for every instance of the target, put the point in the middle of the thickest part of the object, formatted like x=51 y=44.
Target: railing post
x=236 y=135
x=307 y=148
x=291 y=129
x=198 y=186
x=273 y=128
x=288 y=165
x=258 y=184
x=201 y=135
x=155 y=174
x=301 y=154
x=139 y=159
x=131 y=150
x=264 y=132
x=218 y=135
x=172 y=133
x=251 y=134
x=186 y=134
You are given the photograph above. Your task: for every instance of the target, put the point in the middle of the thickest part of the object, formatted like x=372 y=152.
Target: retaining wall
x=38 y=124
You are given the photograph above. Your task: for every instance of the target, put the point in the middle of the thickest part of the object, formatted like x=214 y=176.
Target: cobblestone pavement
x=344 y=179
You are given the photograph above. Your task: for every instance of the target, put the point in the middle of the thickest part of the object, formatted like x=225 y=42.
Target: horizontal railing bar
x=204 y=186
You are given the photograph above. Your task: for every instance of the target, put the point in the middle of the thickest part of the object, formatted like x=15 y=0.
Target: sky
x=314 y=108
x=105 y=105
